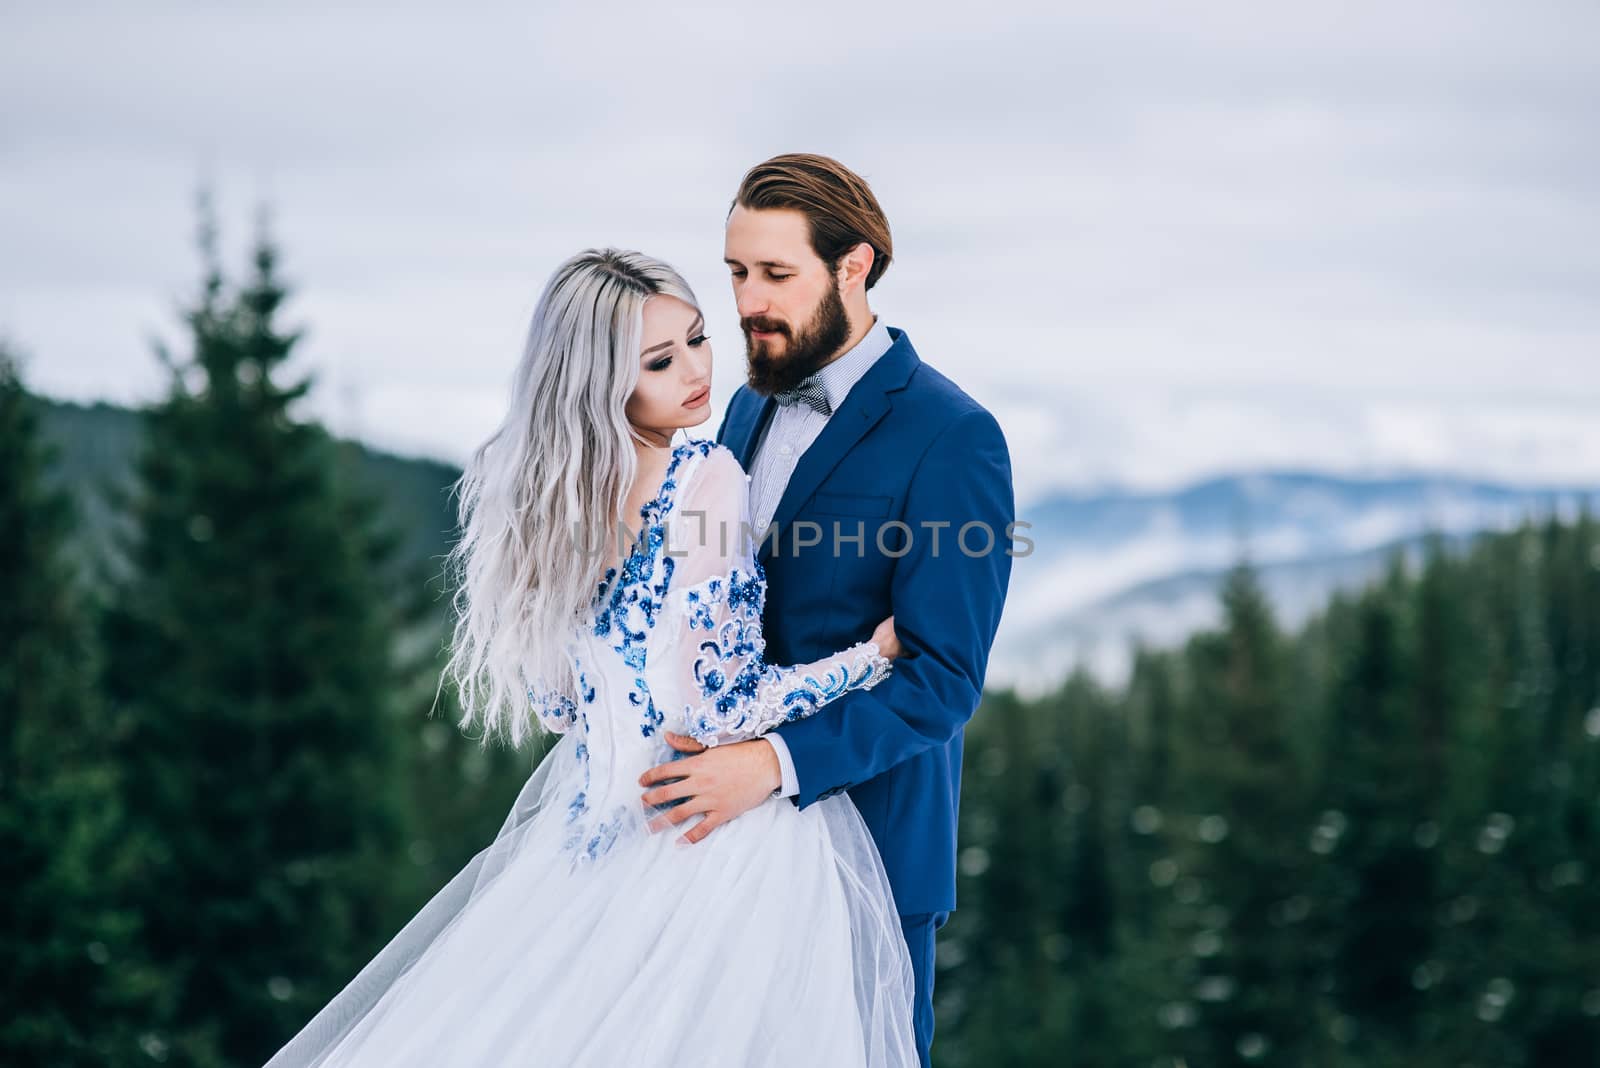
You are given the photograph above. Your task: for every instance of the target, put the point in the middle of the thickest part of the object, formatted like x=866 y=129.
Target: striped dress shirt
x=788 y=435
x=794 y=427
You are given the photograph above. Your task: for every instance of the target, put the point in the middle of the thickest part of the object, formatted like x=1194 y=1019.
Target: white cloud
x=1158 y=240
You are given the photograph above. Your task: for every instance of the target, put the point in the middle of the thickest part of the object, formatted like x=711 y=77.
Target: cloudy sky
x=1159 y=242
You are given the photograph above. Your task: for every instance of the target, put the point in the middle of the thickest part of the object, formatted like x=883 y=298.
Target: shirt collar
x=839 y=375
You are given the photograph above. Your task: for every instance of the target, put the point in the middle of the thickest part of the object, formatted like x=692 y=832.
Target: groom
x=890 y=491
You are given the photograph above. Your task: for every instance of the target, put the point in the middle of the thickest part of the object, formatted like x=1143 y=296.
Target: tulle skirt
x=772 y=942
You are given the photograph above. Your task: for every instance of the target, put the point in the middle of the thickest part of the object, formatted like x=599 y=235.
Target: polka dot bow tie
x=810 y=392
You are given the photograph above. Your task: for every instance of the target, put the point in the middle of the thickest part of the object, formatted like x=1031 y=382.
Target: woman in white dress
x=580 y=935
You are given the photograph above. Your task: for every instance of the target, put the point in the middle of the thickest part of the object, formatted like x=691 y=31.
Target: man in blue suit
x=888 y=491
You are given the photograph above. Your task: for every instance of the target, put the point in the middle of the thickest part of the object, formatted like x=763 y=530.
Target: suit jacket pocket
x=865 y=505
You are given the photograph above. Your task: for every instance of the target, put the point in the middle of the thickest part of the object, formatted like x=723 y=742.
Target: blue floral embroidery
x=759 y=694
x=627 y=608
x=605 y=835
x=580 y=801
x=552 y=705
x=737 y=689
x=598 y=842
x=640 y=697
x=559 y=711
x=586 y=841
x=698 y=604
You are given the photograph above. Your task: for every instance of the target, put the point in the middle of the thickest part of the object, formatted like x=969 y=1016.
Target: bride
x=582 y=935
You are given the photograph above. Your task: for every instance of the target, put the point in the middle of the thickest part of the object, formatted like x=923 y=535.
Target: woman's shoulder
x=705 y=461
x=703 y=448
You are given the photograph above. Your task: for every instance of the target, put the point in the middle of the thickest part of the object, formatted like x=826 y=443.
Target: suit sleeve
x=946 y=602
x=712 y=610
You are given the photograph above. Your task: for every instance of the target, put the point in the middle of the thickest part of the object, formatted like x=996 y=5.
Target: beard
x=805 y=352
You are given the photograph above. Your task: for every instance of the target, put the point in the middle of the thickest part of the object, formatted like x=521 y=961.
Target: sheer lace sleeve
x=556 y=710
x=714 y=604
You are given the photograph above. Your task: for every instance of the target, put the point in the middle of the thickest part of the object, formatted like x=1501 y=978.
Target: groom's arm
x=946 y=607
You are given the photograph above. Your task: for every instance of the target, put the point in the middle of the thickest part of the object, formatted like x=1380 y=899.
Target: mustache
x=766 y=326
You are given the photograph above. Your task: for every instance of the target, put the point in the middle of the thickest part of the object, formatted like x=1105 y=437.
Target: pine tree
x=1154 y=998
x=1378 y=826
x=994 y=981
x=1523 y=936
x=1240 y=895
x=69 y=986
x=250 y=670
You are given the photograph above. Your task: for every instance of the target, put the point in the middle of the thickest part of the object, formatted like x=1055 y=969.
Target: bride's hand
x=888 y=641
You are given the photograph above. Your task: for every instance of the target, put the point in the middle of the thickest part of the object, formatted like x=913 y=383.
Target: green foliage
x=231 y=775
x=95 y=446
x=70 y=983
x=1370 y=843
x=1374 y=842
x=253 y=690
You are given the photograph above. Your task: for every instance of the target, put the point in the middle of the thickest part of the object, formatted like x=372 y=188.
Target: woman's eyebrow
x=700 y=320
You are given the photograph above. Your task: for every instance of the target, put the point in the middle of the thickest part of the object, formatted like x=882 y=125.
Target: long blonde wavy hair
x=555 y=474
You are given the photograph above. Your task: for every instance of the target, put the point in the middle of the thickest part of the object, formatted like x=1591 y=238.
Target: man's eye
x=779 y=277
x=662 y=364
x=696 y=342
x=738 y=274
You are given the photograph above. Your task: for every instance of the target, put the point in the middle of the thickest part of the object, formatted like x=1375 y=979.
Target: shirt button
x=785 y=450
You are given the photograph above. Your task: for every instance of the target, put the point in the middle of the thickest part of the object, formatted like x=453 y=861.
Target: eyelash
x=774 y=277
x=666 y=361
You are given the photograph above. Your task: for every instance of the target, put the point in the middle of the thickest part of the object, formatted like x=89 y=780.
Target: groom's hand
x=723 y=782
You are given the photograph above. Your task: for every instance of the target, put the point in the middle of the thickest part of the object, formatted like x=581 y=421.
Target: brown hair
x=838 y=205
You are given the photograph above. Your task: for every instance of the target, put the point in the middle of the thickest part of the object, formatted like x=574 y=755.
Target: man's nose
x=750 y=300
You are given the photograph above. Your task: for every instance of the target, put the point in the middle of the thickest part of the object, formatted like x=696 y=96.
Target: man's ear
x=854 y=266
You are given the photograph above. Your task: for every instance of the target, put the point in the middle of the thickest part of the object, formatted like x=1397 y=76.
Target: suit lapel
x=866 y=404
x=745 y=432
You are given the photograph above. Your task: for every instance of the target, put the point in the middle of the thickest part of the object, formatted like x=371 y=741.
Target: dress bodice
x=674 y=642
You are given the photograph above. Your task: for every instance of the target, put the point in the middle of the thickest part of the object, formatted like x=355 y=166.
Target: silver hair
x=556 y=473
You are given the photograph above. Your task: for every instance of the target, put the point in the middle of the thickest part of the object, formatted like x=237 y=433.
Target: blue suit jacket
x=906 y=445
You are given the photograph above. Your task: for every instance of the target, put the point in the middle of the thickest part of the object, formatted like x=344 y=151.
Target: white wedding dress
x=580 y=938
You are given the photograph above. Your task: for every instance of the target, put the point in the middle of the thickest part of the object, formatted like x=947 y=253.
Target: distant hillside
x=97 y=444
x=1107 y=566
x=1111 y=566
x=1162 y=612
